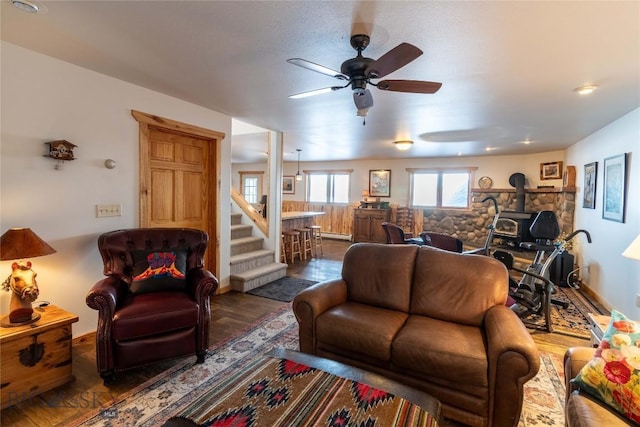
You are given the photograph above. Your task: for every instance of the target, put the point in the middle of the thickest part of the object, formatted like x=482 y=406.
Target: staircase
x=251 y=265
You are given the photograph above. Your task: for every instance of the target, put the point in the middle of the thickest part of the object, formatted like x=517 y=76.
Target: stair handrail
x=250 y=211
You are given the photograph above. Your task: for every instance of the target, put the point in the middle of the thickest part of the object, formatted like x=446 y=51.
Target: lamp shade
x=21 y=243
x=633 y=250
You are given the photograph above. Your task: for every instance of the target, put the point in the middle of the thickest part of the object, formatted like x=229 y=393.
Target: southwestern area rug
x=171 y=392
x=284 y=289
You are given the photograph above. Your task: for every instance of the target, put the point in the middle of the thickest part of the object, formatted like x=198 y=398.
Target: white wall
x=498 y=168
x=44 y=99
x=615 y=278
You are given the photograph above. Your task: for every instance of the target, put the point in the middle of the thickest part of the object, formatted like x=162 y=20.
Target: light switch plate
x=108 y=210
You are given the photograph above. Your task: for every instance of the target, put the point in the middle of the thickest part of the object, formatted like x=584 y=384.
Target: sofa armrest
x=513 y=360
x=574 y=359
x=312 y=302
x=104 y=296
x=202 y=284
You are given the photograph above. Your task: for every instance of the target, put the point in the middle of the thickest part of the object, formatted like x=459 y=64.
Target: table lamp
x=633 y=250
x=18 y=244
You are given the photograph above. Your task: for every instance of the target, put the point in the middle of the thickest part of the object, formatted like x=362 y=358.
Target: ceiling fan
x=359 y=71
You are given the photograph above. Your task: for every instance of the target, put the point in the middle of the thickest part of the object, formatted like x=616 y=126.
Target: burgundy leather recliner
x=154 y=303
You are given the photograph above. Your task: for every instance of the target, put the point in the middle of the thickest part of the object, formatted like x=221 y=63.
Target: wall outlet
x=108 y=210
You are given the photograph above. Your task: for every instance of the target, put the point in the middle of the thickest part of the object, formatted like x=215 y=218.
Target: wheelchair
x=531 y=294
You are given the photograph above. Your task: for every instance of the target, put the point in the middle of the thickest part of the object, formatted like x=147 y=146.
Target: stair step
x=249 y=256
x=236 y=218
x=245 y=244
x=251 y=260
x=254 y=278
x=241 y=230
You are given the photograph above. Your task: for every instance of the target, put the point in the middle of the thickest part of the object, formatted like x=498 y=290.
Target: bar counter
x=298 y=219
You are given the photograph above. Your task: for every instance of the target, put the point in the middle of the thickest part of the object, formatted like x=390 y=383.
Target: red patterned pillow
x=158 y=271
x=613 y=376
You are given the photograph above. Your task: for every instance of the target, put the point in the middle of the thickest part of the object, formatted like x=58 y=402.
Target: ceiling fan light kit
x=403 y=145
x=359 y=71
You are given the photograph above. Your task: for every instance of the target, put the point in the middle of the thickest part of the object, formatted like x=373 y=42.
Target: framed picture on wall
x=590 y=179
x=615 y=187
x=551 y=170
x=380 y=183
x=288 y=184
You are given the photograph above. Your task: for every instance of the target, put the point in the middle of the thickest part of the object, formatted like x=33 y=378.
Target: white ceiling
x=508 y=68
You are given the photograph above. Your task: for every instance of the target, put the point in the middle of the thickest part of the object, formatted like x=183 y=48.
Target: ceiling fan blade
x=315 y=92
x=317 y=68
x=363 y=99
x=413 y=86
x=396 y=58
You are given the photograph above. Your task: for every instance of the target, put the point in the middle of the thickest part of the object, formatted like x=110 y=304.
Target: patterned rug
x=571 y=321
x=284 y=289
x=169 y=393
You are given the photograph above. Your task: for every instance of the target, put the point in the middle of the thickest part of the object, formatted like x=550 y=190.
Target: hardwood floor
x=231 y=312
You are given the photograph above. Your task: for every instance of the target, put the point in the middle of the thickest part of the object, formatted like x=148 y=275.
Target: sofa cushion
x=354 y=328
x=153 y=313
x=380 y=275
x=583 y=411
x=457 y=288
x=613 y=376
x=448 y=345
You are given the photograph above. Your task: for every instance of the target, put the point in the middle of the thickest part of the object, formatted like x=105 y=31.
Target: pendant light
x=298 y=174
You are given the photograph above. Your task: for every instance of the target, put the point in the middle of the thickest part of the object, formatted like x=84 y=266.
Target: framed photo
x=288 y=184
x=590 y=179
x=551 y=170
x=380 y=183
x=615 y=187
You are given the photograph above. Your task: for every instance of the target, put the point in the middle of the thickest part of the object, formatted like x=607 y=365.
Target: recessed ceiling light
x=403 y=145
x=25 y=6
x=586 y=90
x=526 y=141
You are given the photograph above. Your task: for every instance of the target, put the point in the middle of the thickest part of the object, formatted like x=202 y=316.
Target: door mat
x=284 y=289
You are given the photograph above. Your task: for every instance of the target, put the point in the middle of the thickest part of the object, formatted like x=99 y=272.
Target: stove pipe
x=517 y=180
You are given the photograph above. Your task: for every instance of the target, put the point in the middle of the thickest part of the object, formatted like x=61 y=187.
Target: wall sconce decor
x=18 y=244
x=60 y=150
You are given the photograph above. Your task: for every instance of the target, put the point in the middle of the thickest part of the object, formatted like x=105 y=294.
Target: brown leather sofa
x=582 y=410
x=428 y=318
x=145 y=321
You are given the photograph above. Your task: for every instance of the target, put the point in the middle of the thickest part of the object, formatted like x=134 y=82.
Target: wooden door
x=179 y=178
x=178 y=175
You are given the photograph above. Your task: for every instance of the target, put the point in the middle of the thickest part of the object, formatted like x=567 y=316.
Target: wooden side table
x=36 y=357
x=599 y=323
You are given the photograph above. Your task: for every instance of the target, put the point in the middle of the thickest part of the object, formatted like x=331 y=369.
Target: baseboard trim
x=336 y=236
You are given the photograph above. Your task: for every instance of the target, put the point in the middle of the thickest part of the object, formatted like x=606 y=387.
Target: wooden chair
x=395 y=235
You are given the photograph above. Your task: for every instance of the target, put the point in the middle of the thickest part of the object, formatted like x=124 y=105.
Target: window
x=440 y=188
x=328 y=186
x=251 y=186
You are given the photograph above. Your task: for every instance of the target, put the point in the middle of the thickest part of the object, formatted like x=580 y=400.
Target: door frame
x=214 y=139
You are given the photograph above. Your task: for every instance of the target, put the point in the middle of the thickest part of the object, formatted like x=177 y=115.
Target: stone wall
x=471 y=226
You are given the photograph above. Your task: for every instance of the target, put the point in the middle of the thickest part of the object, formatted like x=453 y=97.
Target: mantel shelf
x=526 y=190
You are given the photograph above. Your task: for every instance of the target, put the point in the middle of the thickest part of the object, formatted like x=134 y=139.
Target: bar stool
x=305 y=241
x=292 y=245
x=316 y=237
x=283 y=252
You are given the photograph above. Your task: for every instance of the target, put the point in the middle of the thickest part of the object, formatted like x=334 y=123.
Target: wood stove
x=513 y=227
